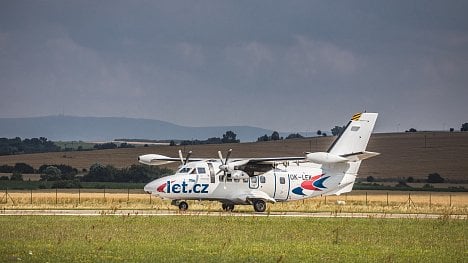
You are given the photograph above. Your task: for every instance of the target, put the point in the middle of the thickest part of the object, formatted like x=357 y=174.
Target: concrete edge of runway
x=97 y=212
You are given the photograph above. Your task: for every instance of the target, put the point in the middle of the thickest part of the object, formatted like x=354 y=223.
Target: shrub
x=16 y=176
x=435 y=178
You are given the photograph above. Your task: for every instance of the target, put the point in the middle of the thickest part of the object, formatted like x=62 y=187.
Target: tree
x=229 y=137
x=435 y=178
x=100 y=173
x=464 y=127
x=319 y=132
x=51 y=173
x=172 y=143
x=410 y=179
x=23 y=168
x=263 y=138
x=411 y=130
x=275 y=136
x=337 y=130
x=6 y=168
x=370 y=178
x=104 y=146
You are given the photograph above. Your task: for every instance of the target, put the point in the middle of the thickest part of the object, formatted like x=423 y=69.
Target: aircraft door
x=212 y=173
x=281 y=186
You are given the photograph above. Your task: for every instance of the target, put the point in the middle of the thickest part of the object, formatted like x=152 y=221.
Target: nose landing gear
x=183 y=206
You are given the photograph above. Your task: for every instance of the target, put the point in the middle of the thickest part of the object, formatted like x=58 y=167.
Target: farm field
x=402 y=154
x=230 y=239
x=356 y=201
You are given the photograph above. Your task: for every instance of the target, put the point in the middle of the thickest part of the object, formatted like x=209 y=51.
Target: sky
x=280 y=65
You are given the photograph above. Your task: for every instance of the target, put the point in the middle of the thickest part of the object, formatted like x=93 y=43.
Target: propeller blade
x=227 y=156
x=181 y=157
x=188 y=156
x=220 y=157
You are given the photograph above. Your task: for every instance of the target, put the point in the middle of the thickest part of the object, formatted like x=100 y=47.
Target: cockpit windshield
x=185 y=170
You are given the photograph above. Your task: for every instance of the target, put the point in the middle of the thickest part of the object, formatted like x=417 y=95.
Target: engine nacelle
x=325 y=158
x=239 y=175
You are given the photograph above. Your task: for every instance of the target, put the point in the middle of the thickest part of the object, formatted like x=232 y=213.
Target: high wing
x=157 y=159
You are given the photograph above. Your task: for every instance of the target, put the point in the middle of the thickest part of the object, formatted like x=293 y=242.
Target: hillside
x=402 y=154
x=64 y=128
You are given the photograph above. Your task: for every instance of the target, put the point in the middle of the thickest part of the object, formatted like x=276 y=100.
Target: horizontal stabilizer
x=325 y=158
x=359 y=156
x=328 y=158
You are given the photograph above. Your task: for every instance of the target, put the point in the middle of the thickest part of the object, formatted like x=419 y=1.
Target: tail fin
x=351 y=146
x=354 y=138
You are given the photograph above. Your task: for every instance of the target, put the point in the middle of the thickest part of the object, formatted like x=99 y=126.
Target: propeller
x=181 y=156
x=227 y=166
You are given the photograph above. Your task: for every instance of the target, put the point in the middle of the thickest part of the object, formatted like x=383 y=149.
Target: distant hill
x=108 y=128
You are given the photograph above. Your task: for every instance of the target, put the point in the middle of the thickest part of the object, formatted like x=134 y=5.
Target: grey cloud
x=296 y=65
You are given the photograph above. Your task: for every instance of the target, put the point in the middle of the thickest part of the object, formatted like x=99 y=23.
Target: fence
x=137 y=198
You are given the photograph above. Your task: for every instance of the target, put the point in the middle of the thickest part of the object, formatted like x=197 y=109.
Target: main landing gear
x=259 y=205
x=227 y=207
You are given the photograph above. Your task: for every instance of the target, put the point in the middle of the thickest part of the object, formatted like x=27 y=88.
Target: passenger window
x=253 y=180
x=201 y=170
x=282 y=181
x=262 y=179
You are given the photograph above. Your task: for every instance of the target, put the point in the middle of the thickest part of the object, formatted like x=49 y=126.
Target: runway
x=89 y=212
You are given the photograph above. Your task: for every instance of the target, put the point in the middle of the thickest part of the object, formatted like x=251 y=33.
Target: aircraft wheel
x=259 y=206
x=228 y=207
x=183 y=206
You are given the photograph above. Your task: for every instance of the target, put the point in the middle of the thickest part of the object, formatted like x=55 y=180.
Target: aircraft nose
x=150 y=187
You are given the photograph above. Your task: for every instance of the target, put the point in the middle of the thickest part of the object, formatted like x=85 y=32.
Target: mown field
x=230 y=239
x=356 y=201
x=402 y=154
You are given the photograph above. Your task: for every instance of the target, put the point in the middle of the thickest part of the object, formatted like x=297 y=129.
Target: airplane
x=258 y=181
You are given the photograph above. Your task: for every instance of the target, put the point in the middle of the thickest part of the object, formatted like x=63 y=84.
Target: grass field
x=230 y=239
x=356 y=201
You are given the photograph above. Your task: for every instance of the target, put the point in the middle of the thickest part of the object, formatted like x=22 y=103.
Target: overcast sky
x=283 y=65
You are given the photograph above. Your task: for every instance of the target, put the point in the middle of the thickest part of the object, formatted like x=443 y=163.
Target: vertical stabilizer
x=350 y=145
x=355 y=136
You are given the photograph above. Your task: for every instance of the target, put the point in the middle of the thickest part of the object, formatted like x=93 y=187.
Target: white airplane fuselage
x=201 y=181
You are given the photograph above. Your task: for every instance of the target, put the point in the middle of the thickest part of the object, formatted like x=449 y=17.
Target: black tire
x=183 y=206
x=259 y=206
x=227 y=207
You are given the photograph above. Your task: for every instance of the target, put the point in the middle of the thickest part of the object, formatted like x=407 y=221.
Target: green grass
x=230 y=239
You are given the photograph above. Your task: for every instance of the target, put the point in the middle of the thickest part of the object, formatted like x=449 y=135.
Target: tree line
x=34 y=145
x=96 y=173
x=228 y=137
